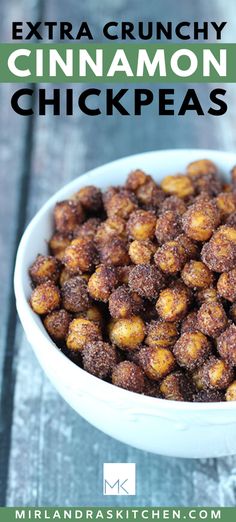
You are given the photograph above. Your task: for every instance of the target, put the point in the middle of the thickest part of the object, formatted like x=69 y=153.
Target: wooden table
x=49 y=455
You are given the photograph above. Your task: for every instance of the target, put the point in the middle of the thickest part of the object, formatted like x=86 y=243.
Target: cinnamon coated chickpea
x=150 y=196
x=57 y=324
x=178 y=185
x=141 y=252
x=196 y=274
x=146 y=280
x=219 y=254
x=45 y=298
x=176 y=387
x=81 y=331
x=141 y=224
x=212 y=318
x=200 y=221
x=226 y=345
x=45 y=268
x=226 y=203
x=172 y=304
x=114 y=253
x=231 y=392
x=80 y=256
x=124 y=303
x=136 y=178
x=156 y=362
x=226 y=285
x=168 y=226
x=161 y=334
x=170 y=257
x=121 y=204
x=201 y=167
x=99 y=358
x=114 y=227
x=57 y=244
x=90 y=198
x=102 y=282
x=127 y=333
x=129 y=376
x=191 y=349
x=215 y=374
x=68 y=214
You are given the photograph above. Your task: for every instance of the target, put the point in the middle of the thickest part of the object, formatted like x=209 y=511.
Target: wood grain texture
x=56 y=457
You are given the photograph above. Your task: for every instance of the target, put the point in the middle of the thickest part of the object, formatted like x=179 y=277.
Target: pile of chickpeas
x=139 y=286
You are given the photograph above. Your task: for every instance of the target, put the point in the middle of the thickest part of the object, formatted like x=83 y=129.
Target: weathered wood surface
x=50 y=455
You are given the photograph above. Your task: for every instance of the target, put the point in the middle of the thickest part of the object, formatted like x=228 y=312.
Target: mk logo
x=119 y=479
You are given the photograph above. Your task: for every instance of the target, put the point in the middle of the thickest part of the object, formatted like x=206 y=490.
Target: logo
x=119 y=479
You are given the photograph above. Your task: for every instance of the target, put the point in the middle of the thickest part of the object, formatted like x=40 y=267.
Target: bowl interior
x=34 y=241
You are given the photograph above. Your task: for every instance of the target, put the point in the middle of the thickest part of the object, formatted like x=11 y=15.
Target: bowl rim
x=29 y=319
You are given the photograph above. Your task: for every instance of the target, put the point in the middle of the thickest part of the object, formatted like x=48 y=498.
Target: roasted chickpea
x=201 y=167
x=189 y=323
x=67 y=214
x=99 y=358
x=200 y=221
x=150 y=196
x=212 y=319
x=93 y=313
x=75 y=296
x=208 y=396
x=191 y=248
x=178 y=185
x=151 y=388
x=80 y=256
x=127 y=333
x=231 y=392
x=45 y=298
x=88 y=229
x=123 y=274
x=141 y=252
x=156 y=362
x=176 y=387
x=161 y=334
x=45 y=268
x=57 y=324
x=102 y=282
x=226 y=345
x=64 y=276
x=232 y=312
x=231 y=220
x=168 y=226
x=114 y=253
x=141 y=224
x=111 y=228
x=90 y=198
x=226 y=203
x=136 y=178
x=208 y=185
x=173 y=204
x=81 y=332
x=146 y=280
x=196 y=274
x=170 y=257
x=121 y=204
x=129 y=376
x=58 y=244
x=191 y=349
x=215 y=374
x=219 y=254
x=226 y=285
x=207 y=295
x=124 y=303
x=172 y=304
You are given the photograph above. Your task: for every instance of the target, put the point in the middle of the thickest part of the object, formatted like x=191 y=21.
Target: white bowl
x=159 y=426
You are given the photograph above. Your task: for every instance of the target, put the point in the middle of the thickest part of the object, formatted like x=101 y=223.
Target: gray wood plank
x=14 y=131
x=62 y=455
